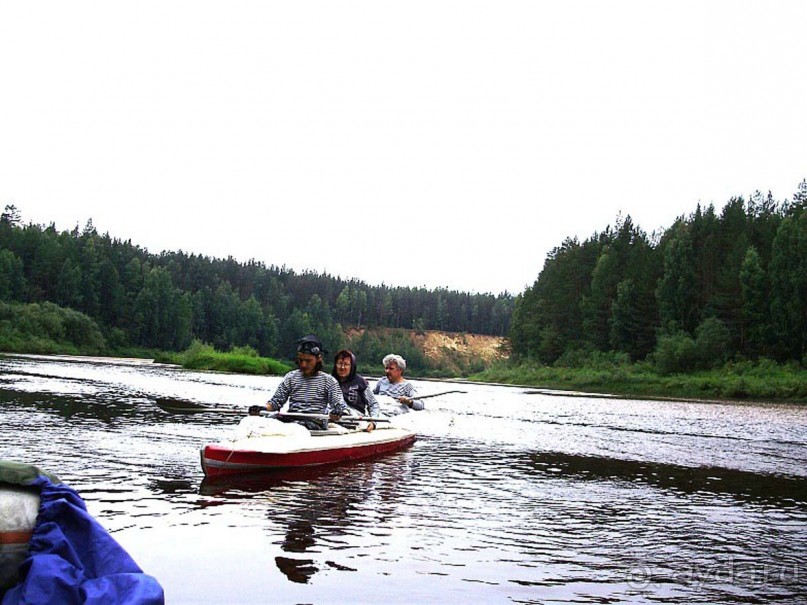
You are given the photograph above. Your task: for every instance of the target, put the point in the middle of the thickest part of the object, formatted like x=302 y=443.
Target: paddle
x=418 y=397
x=437 y=394
x=176 y=406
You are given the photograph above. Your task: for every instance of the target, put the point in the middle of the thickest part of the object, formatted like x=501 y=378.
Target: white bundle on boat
x=19 y=508
x=260 y=426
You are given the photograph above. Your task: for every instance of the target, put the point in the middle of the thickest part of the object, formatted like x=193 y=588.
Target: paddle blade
x=180 y=406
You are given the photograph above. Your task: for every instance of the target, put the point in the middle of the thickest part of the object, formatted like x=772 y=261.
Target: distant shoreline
x=82 y=358
x=534 y=390
x=573 y=378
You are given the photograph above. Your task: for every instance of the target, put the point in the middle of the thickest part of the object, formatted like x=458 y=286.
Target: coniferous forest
x=166 y=301
x=711 y=288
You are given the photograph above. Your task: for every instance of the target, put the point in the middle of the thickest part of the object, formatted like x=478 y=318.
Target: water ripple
x=504 y=497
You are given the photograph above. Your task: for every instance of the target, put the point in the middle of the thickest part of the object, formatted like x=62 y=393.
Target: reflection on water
x=337 y=512
x=314 y=521
x=505 y=497
x=743 y=486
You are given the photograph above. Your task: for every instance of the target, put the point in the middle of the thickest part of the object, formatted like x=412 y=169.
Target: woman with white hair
x=394 y=385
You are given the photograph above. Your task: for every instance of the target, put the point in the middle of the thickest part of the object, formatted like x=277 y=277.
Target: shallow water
x=507 y=496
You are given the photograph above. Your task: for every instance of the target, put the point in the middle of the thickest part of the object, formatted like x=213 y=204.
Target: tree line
x=711 y=288
x=167 y=300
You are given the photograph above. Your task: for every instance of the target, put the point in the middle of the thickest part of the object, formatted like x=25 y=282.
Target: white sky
x=417 y=143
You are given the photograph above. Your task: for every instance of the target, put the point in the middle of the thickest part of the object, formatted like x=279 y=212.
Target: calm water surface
x=507 y=496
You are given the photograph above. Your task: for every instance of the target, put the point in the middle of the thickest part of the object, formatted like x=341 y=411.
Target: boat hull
x=266 y=455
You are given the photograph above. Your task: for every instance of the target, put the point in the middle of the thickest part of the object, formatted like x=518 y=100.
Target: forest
x=712 y=288
x=108 y=295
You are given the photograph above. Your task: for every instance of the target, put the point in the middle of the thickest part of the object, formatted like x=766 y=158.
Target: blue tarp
x=73 y=559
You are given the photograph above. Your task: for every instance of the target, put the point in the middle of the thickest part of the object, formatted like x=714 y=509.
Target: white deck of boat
x=281 y=444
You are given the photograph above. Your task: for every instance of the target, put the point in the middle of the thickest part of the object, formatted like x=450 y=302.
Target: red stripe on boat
x=222 y=460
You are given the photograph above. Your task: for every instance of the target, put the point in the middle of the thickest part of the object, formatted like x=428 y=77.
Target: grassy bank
x=241 y=360
x=752 y=381
x=47 y=329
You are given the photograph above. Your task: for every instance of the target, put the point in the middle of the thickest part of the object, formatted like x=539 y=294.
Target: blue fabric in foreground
x=73 y=559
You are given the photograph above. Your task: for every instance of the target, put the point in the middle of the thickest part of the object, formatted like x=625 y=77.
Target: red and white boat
x=263 y=444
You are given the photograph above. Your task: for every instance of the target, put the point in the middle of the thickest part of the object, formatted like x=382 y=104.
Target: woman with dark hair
x=355 y=389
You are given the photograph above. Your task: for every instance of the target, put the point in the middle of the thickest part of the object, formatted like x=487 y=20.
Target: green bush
x=244 y=351
x=573 y=358
x=713 y=341
x=48 y=328
x=198 y=356
x=241 y=360
x=587 y=358
x=675 y=353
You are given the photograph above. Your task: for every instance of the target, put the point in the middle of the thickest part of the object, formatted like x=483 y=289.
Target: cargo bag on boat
x=70 y=557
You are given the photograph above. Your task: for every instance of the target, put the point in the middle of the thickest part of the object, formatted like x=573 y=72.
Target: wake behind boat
x=266 y=444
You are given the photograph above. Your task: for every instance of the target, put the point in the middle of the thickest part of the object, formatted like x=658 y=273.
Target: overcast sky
x=418 y=143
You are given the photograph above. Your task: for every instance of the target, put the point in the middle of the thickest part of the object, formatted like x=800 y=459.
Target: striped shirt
x=398 y=389
x=318 y=394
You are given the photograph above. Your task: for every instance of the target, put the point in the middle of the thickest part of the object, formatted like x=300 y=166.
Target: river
x=507 y=496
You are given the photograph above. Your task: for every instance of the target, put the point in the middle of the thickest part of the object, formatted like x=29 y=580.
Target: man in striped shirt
x=307 y=389
x=396 y=386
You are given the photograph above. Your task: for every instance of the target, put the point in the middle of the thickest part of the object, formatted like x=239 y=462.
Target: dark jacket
x=355 y=389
